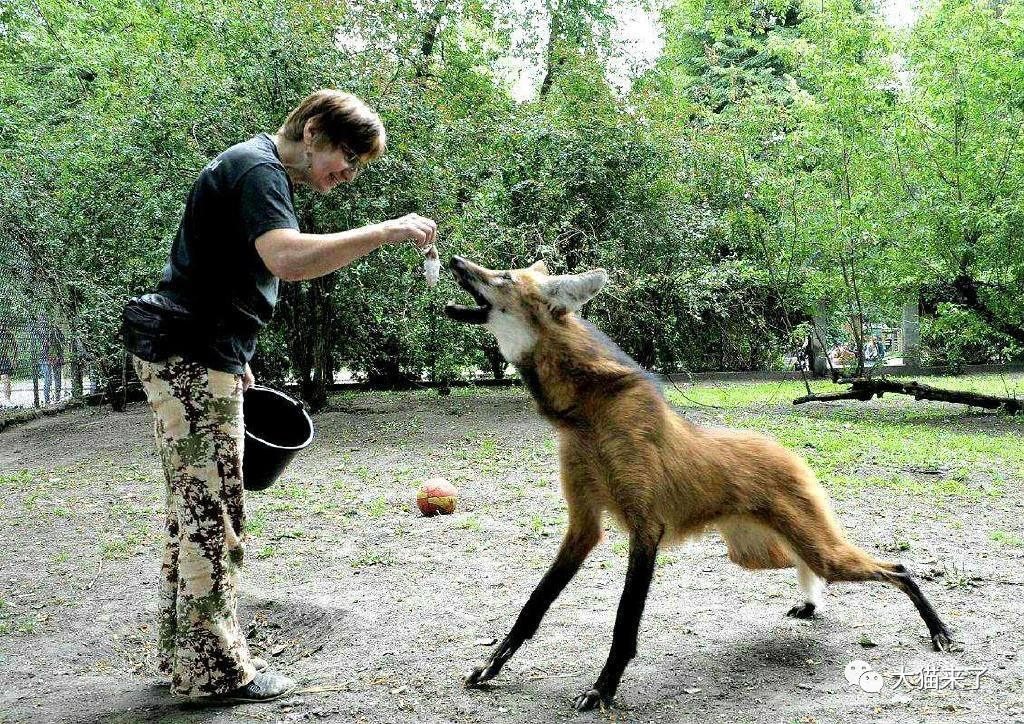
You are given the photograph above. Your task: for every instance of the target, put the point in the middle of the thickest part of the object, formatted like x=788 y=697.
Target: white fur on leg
x=811 y=585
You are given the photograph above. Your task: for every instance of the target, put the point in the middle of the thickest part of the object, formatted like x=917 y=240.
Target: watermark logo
x=936 y=678
x=860 y=673
x=930 y=677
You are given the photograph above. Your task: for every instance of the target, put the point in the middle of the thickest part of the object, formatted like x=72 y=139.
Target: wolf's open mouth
x=462 y=312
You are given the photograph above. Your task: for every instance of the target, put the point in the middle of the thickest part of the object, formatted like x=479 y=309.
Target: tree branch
x=863 y=389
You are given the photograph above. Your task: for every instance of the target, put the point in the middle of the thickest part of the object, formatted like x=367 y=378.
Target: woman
x=238 y=237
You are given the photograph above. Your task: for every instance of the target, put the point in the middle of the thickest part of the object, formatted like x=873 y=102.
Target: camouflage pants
x=199 y=433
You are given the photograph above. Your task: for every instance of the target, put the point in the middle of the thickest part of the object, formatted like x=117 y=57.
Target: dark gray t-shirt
x=214 y=269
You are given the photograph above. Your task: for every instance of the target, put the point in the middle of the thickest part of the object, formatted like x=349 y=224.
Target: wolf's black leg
x=900 y=577
x=575 y=547
x=643 y=551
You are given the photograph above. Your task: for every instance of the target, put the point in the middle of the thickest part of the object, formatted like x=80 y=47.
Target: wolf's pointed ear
x=539 y=266
x=569 y=292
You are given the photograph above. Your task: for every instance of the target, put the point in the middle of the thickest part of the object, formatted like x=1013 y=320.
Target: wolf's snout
x=457 y=262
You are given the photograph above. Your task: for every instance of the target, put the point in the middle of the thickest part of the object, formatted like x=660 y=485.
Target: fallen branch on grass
x=864 y=388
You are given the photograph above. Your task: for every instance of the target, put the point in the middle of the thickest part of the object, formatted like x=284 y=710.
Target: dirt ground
x=379 y=612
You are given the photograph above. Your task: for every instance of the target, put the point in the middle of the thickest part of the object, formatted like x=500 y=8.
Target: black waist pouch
x=153 y=327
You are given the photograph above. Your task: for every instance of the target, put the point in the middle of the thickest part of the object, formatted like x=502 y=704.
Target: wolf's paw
x=591 y=699
x=480 y=674
x=802 y=610
x=942 y=640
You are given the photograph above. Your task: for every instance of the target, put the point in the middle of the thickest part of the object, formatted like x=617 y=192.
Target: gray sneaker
x=266 y=686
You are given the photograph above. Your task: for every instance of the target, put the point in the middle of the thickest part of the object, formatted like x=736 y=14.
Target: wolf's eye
x=501 y=279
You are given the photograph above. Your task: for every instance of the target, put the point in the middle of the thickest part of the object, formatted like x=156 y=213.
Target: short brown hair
x=342 y=121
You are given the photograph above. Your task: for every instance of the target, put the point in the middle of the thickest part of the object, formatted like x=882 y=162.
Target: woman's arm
x=292 y=255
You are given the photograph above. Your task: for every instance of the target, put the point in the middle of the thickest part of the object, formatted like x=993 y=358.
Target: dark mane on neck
x=575 y=364
x=612 y=351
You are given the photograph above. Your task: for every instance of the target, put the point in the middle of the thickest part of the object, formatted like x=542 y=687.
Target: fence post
x=34 y=363
x=75 y=345
x=911 y=334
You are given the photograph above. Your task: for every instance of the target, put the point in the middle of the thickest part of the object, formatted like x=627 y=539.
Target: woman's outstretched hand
x=412 y=227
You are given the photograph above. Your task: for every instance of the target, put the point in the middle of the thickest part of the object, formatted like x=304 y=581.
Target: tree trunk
x=555 y=52
x=308 y=312
x=550 y=63
x=494 y=360
x=433 y=24
x=864 y=388
x=911 y=352
x=75 y=347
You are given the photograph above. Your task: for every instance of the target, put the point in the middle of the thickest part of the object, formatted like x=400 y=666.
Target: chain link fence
x=45 y=359
x=41 y=363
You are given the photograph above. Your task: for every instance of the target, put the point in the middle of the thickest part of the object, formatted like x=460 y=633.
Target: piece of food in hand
x=432 y=266
x=435 y=496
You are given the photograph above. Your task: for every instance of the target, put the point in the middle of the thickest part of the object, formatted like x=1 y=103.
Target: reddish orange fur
x=631 y=454
x=624 y=450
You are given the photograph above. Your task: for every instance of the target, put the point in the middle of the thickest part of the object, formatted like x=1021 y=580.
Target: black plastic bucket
x=276 y=428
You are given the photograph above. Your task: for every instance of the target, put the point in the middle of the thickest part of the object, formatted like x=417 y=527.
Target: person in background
x=8 y=359
x=50 y=344
x=55 y=343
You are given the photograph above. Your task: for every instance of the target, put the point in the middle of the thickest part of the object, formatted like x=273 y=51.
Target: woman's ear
x=310 y=131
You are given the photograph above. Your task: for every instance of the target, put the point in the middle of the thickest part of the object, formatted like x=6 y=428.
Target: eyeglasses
x=354 y=161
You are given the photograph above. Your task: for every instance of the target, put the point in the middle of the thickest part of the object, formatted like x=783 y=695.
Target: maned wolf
x=622 y=449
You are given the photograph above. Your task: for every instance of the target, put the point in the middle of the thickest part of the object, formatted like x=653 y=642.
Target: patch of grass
x=293 y=534
x=120 y=544
x=281 y=506
x=665 y=559
x=26 y=625
x=17 y=480
x=736 y=394
x=266 y=551
x=515 y=491
x=1007 y=538
x=378 y=507
x=256 y=522
x=488 y=448
x=544 y=526
x=33 y=498
x=956 y=577
x=896 y=545
x=902 y=484
x=920 y=456
x=287 y=490
x=324 y=508
x=372 y=558
x=470 y=522
x=341 y=486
